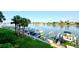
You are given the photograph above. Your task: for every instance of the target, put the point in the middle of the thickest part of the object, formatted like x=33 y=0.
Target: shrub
x=6 y=45
x=7 y=36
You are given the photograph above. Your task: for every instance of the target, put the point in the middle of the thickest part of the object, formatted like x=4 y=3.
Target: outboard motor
x=59 y=38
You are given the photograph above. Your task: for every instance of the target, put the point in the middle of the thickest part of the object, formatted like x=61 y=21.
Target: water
x=56 y=29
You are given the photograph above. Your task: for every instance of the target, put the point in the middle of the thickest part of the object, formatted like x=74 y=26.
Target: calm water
x=56 y=29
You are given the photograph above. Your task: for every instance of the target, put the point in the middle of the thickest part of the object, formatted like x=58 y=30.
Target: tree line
x=58 y=23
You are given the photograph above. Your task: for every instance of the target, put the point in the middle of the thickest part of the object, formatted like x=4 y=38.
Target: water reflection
x=54 y=25
x=56 y=28
x=77 y=26
x=67 y=27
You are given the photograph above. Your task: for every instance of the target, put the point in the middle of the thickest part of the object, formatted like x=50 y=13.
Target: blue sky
x=44 y=16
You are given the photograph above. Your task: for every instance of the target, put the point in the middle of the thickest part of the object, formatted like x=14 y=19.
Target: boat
x=34 y=32
x=51 y=35
x=68 y=36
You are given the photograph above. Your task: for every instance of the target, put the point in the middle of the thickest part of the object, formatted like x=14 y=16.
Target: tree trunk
x=18 y=29
x=15 y=29
x=23 y=31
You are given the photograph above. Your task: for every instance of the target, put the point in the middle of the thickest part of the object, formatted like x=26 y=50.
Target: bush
x=6 y=45
x=65 y=43
x=7 y=36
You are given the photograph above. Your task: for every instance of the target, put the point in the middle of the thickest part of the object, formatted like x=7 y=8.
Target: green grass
x=28 y=42
x=7 y=36
x=8 y=39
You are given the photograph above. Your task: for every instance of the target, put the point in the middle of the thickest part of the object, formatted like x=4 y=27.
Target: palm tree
x=16 y=19
x=2 y=18
x=20 y=22
x=24 y=23
x=28 y=21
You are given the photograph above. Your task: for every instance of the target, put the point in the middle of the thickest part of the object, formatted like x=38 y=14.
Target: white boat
x=68 y=36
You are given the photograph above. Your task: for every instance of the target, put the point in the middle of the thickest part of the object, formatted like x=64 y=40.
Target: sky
x=43 y=16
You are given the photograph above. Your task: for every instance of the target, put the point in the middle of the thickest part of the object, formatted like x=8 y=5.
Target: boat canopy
x=67 y=32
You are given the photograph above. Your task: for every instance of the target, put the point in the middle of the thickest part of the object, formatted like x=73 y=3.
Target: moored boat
x=66 y=36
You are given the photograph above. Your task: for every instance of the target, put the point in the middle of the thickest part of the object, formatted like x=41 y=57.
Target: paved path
x=54 y=44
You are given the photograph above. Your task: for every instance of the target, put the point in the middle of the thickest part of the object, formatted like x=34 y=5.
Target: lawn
x=8 y=39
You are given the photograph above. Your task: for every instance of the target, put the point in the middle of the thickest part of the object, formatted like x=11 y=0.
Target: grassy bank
x=8 y=39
